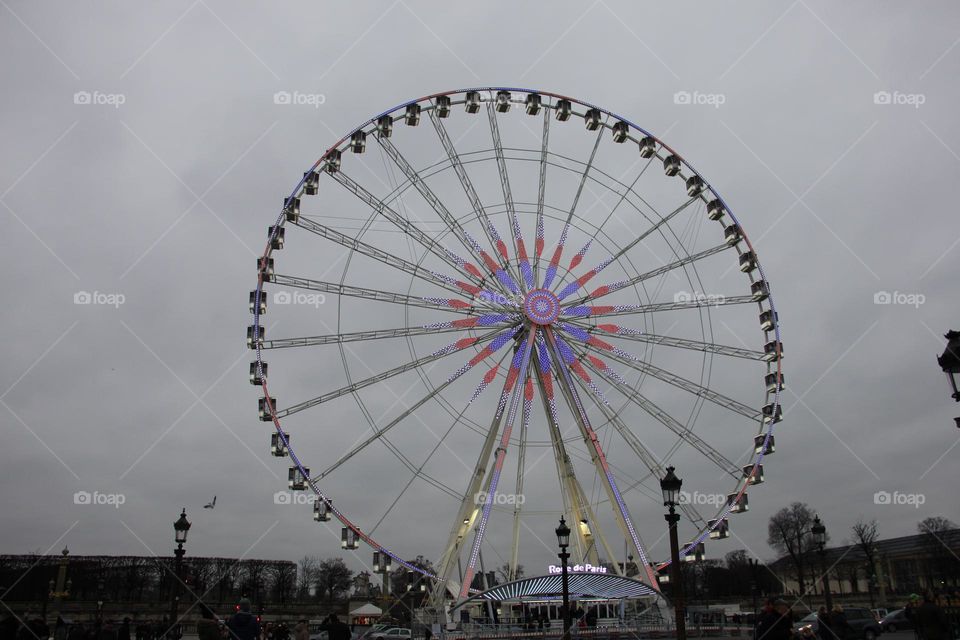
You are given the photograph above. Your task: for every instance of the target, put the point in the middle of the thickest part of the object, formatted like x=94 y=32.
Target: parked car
x=377 y=628
x=880 y=613
x=863 y=626
x=862 y=623
x=895 y=620
x=394 y=633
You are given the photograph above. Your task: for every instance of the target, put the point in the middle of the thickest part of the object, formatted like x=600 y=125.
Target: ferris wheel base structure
x=518 y=268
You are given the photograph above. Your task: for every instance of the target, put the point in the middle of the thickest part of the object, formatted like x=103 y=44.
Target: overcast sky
x=144 y=156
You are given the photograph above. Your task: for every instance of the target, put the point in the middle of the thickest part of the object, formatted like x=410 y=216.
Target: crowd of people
x=776 y=622
x=242 y=625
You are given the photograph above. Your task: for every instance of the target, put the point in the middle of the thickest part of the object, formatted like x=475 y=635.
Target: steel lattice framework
x=555 y=332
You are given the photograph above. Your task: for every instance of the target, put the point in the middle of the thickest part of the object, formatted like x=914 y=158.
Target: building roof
x=890 y=548
x=367 y=610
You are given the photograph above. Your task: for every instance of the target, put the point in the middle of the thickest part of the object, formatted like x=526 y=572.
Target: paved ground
x=899 y=635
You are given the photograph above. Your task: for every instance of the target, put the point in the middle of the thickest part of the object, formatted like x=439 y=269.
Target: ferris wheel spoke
x=558 y=251
x=382 y=208
x=605 y=311
x=623 y=198
x=493 y=237
x=585 y=278
x=468 y=511
x=373 y=252
x=420 y=468
x=518 y=372
x=455 y=227
x=541 y=194
x=616 y=286
x=459 y=345
x=645 y=456
x=521 y=461
x=664 y=418
x=379 y=433
x=379 y=334
x=520 y=249
x=575 y=502
x=450 y=305
x=596 y=453
x=638 y=335
x=638 y=364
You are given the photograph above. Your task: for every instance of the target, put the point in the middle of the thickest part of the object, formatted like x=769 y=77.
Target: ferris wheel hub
x=541 y=306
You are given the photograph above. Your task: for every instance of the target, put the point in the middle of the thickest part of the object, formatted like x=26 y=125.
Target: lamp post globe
x=819 y=532
x=180 y=528
x=670 y=486
x=949 y=361
x=563 y=534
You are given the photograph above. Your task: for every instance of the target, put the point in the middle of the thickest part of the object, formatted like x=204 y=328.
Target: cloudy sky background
x=165 y=199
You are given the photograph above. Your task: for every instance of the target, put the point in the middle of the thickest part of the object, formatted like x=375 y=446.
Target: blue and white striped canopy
x=581 y=585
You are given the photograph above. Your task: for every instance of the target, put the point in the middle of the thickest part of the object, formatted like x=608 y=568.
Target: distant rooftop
x=890 y=548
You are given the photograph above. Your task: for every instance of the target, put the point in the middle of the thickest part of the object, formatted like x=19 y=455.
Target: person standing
x=839 y=625
x=824 y=625
x=301 y=631
x=783 y=627
x=123 y=633
x=931 y=620
x=243 y=625
x=765 y=622
x=207 y=627
x=335 y=629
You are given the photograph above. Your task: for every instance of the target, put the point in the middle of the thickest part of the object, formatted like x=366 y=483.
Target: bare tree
x=283 y=580
x=865 y=536
x=789 y=534
x=306 y=577
x=940 y=559
x=503 y=573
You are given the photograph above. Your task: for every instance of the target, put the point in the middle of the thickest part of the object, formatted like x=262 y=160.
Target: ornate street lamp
x=753 y=563
x=60 y=588
x=180 y=529
x=949 y=361
x=670 y=486
x=563 y=540
x=819 y=532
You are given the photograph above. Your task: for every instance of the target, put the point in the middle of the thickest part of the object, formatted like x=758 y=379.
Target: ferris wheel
x=494 y=306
